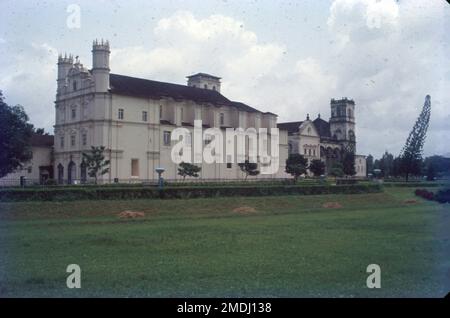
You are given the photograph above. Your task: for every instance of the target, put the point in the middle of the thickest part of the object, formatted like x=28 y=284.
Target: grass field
x=287 y=246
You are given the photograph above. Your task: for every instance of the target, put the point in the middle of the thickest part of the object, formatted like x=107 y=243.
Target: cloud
x=216 y=44
x=29 y=80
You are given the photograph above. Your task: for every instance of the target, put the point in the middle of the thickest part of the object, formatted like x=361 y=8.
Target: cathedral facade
x=133 y=119
x=326 y=140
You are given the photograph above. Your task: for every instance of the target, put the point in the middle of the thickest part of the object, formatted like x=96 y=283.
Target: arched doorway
x=71 y=172
x=60 y=174
x=83 y=172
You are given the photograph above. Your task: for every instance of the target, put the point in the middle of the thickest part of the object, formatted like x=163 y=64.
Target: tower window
x=222 y=119
x=73 y=113
x=120 y=113
x=160 y=111
x=144 y=116
x=182 y=113
x=61 y=142
x=72 y=140
x=74 y=85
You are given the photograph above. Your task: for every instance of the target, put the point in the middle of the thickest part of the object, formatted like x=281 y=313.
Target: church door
x=71 y=175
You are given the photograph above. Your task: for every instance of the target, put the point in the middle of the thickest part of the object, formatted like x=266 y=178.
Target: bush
x=424 y=193
x=131 y=193
x=346 y=181
x=443 y=196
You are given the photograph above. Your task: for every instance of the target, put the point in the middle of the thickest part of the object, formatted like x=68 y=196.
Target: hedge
x=114 y=193
x=415 y=184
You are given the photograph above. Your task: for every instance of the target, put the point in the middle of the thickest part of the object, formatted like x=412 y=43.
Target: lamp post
x=160 y=171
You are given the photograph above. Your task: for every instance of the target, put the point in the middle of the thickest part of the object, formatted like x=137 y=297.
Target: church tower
x=342 y=122
x=205 y=81
x=64 y=65
x=100 y=65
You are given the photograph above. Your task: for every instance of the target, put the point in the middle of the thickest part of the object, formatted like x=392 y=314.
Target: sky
x=286 y=57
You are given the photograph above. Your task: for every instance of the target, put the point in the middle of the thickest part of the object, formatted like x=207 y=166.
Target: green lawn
x=289 y=246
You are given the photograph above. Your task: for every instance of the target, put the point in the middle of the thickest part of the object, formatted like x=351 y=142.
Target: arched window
x=214 y=88
x=71 y=172
x=206 y=86
x=351 y=135
x=350 y=113
x=74 y=85
x=60 y=174
x=83 y=172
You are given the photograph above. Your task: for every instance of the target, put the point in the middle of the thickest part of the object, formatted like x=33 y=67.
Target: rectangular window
x=144 y=116
x=120 y=114
x=72 y=140
x=84 y=139
x=30 y=169
x=182 y=113
x=229 y=164
x=222 y=119
x=160 y=112
x=61 y=142
x=135 y=167
x=167 y=138
x=74 y=113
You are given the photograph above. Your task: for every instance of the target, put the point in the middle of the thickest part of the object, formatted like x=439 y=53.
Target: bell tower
x=342 y=122
x=65 y=63
x=100 y=65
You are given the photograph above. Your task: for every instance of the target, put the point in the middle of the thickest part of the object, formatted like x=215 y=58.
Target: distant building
x=39 y=168
x=325 y=140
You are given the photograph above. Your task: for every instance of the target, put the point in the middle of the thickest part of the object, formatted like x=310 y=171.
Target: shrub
x=443 y=196
x=428 y=195
x=346 y=181
x=130 y=193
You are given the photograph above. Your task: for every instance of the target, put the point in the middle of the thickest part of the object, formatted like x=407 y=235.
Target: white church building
x=133 y=119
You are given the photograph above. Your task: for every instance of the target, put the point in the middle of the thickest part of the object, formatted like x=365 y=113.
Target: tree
x=317 y=167
x=387 y=164
x=40 y=131
x=411 y=154
x=337 y=170
x=440 y=164
x=396 y=167
x=95 y=162
x=431 y=172
x=369 y=164
x=188 y=169
x=15 y=137
x=249 y=168
x=296 y=165
x=348 y=162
